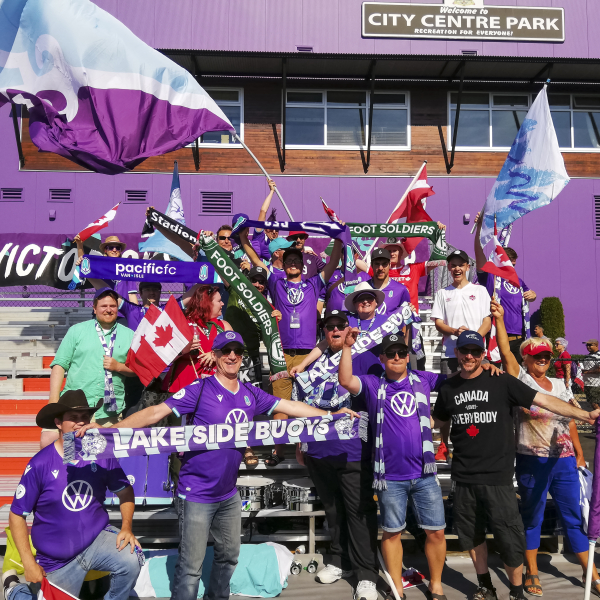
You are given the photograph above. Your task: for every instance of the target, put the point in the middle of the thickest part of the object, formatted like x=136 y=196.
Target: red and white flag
x=330 y=212
x=101 y=223
x=418 y=193
x=499 y=264
x=48 y=591
x=493 y=352
x=158 y=340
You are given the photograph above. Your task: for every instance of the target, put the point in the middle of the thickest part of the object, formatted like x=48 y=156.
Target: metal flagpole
x=237 y=137
x=389 y=577
x=408 y=189
x=590 y=568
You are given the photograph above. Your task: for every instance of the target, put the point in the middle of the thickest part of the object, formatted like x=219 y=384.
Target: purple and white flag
x=96 y=93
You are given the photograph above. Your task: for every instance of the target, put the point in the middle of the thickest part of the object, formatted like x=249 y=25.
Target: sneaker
x=9 y=581
x=442 y=453
x=331 y=574
x=482 y=593
x=365 y=590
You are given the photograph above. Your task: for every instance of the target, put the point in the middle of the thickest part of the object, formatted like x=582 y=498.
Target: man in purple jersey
x=210 y=501
x=342 y=471
x=296 y=300
x=399 y=416
x=313 y=264
x=70 y=525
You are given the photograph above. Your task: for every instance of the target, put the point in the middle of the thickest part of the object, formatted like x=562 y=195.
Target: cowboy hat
x=71 y=400
x=361 y=288
x=112 y=240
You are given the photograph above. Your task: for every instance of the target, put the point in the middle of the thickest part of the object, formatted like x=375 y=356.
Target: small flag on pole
x=499 y=264
x=418 y=192
x=49 y=591
x=99 y=224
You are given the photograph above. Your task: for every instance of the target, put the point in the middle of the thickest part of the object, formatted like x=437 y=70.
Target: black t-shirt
x=482 y=425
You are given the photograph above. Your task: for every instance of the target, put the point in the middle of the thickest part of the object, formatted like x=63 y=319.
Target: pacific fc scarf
x=332 y=230
x=323 y=368
x=228 y=271
x=429 y=466
x=395 y=231
x=99 y=444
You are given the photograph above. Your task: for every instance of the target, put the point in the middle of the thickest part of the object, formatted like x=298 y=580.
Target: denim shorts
x=425 y=495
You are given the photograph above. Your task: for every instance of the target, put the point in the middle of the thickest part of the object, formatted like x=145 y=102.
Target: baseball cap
x=529 y=349
x=279 y=243
x=258 y=272
x=227 y=337
x=393 y=339
x=458 y=253
x=470 y=338
x=291 y=233
x=592 y=341
x=293 y=251
x=106 y=291
x=340 y=314
x=381 y=253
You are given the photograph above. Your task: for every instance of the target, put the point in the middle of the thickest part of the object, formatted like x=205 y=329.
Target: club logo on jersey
x=237 y=415
x=180 y=394
x=131 y=479
x=391 y=293
x=247 y=401
x=510 y=288
x=20 y=492
x=295 y=296
x=471 y=297
x=93 y=444
x=77 y=495
x=27 y=469
x=404 y=404
x=55 y=473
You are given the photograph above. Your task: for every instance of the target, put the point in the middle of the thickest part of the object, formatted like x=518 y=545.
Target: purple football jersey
x=396 y=294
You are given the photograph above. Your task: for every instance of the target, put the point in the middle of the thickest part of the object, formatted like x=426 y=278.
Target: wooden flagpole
x=237 y=137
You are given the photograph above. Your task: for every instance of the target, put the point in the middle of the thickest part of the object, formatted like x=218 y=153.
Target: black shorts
x=495 y=506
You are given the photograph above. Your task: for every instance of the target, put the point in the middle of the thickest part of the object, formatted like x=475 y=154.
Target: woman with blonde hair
x=548 y=454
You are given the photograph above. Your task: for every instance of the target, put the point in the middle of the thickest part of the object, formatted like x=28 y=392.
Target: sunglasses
x=365 y=299
x=474 y=352
x=237 y=351
x=258 y=280
x=391 y=354
x=113 y=248
x=295 y=238
x=339 y=327
x=223 y=237
x=542 y=355
x=293 y=261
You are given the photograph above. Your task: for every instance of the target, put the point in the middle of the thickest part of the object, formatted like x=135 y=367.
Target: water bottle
x=195 y=339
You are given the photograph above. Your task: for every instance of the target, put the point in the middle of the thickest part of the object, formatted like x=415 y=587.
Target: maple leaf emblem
x=163 y=336
x=472 y=431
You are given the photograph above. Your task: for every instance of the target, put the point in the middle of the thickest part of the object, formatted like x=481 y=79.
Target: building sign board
x=463 y=19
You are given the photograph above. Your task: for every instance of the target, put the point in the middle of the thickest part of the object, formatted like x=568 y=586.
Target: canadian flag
x=49 y=591
x=499 y=263
x=158 y=340
x=101 y=223
x=493 y=352
x=418 y=193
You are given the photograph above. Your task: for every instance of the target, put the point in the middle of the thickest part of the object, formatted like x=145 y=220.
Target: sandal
x=274 y=460
x=535 y=587
x=250 y=459
x=431 y=596
x=594 y=589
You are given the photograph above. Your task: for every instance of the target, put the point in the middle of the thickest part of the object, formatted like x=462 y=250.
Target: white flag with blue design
x=532 y=176
x=157 y=242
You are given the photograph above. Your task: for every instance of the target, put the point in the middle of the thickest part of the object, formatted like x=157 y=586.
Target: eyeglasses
x=223 y=237
x=295 y=238
x=292 y=261
x=254 y=280
x=113 y=248
x=391 y=354
x=474 y=352
x=365 y=300
x=542 y=356
x=237 y=351
x=338 y=326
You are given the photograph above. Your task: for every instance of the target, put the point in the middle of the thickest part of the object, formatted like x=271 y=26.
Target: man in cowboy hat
x=207 y=482
x=70 y=529
x=93 y=353
x=313 y=264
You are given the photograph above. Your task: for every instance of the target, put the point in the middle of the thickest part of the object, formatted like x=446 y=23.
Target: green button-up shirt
x=81 y=355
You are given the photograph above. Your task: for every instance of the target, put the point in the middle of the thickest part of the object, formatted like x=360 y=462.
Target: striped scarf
x=429 y=466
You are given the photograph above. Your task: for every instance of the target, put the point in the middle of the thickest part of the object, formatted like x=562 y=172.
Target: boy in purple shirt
x=399 y=417
x=70 y=526
x=207 y=482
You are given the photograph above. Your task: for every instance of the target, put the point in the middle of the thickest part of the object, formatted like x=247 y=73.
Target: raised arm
x=509 y=361
x=300 y=409
x=345 y=376
x=249 y=250
x=334 y=260
x=267 y=203
x=479 y=255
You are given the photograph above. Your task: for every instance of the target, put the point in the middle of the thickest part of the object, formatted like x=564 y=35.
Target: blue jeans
x=224 y=521
x=425 y=495
x=101 y=555
x=536 y=475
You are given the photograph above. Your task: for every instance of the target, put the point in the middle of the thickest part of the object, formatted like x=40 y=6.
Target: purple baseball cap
x=227 y=337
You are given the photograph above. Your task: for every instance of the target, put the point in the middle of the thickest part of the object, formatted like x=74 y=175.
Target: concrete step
x=26 y=345
x=21 y=363
x=24 y=405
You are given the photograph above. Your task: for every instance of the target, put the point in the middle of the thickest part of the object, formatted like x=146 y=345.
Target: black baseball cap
x=381 y=253
x=458 y=254
x=340 y=314
x=470 y=338
x=291 y=251
x=256 y=272
x=393 y=339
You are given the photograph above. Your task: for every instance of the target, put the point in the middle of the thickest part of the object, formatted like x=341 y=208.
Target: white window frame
x=323 y=104
x=239 y=103
x=491 y=108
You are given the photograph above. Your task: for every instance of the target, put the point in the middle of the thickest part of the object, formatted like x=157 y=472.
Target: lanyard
x=110 y=400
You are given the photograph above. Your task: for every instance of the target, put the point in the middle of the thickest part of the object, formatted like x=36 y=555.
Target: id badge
x=294 y=320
